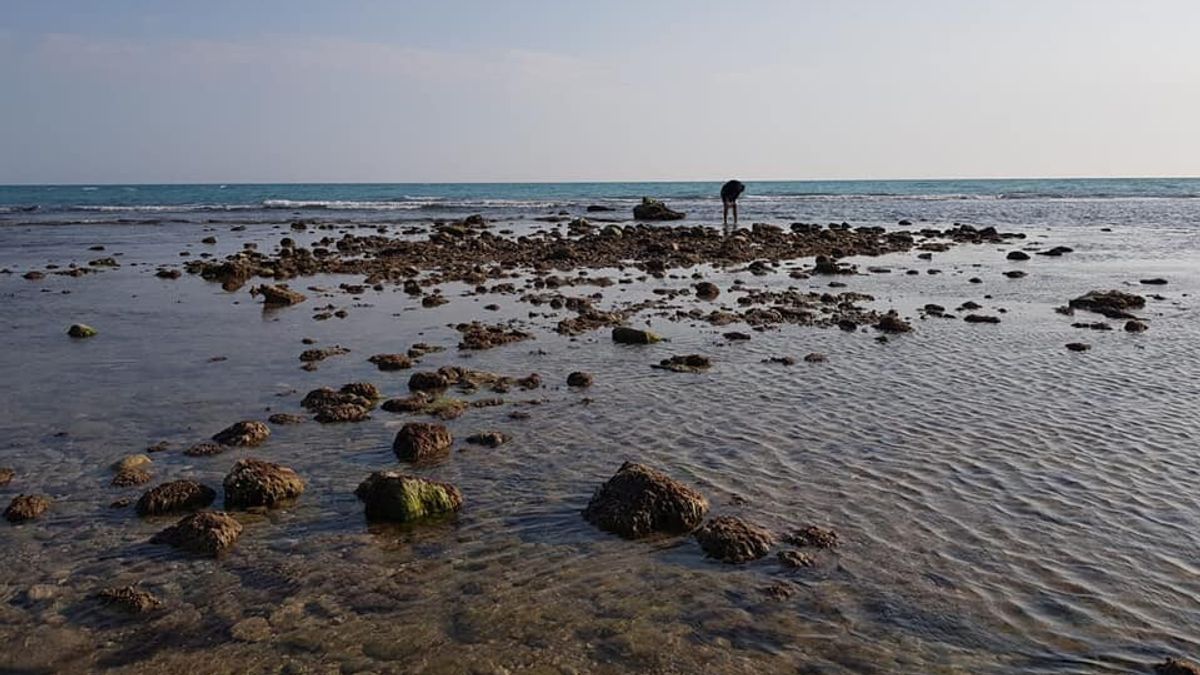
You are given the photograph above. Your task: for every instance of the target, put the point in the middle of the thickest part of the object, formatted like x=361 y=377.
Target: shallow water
x=1003 y=505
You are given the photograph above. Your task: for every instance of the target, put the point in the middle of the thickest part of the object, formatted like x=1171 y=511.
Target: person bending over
x=730 y=192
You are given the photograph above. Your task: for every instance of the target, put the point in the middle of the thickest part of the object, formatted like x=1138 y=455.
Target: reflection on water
x=1003 y=505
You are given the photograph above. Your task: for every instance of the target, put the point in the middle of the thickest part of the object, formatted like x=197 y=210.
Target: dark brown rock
x=639 y=501
x=579 y=379
x=653 y=209
x=279 y=296
x=690 y=363
x=795 y=559
x=812 y=535
x=6 y=476
x=490 y=439
x=1135 y=326
x=1078 y=346
x=427 y=381
x=209 y=533
x=419 y=441
x=284 y=419
x=205 y=449
x=892 y=323
x=131 y=476
x=706 y=290
x=1173 y=666
x=1113 y=304
x=391 y=361
x=254 y=483
x=175 y=496
x=129 y=599
x=733 y=540
x=23 y=508
x=633 y=336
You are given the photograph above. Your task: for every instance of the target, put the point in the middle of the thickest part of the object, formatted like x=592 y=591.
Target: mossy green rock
x=399 y=497
x=81 y=330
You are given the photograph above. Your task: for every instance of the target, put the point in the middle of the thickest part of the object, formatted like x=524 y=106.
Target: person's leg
x=735 y=213
x=724 y=212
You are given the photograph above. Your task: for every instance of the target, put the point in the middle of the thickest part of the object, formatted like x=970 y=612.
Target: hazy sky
x=295 y=90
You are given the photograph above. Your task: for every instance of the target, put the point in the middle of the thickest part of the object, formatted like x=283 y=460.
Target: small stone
x=391 y=361
x=205 y=449
x=733 y=540
x=892 y=323
x=209 y=533
x=795 y=559
x=419 y=441
x=1017 y=255
x=579 y=379
x=981 y=318
x=129 y=599
x=175 y=496
x=706 y=290
x=284 y=419
x=1174 y=666
x=490 y=439
x=1078 y=346
x=278 y=296
x=690 y=363
x=1158 y=281
x=6 y=476
x=131 y=462
x=1135 y=326
x=633 y=336
x=814 y=357
x=131 y=477
x=254 y=483
x=812 y=535
x=81 y=330
x=247 y=433
x=23 y=508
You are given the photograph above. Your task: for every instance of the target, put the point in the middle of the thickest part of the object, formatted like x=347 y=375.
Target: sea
x=1002 y=504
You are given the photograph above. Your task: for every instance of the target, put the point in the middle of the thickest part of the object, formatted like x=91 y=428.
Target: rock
x=690 y=363
x=209 y=533
x=319 y=399
x=812 y=535
x=735 y=336
x=595 y=208
x=342 y=412
x=795 y=559
x=391 y=361
x=814 y=357
x=1056 y=251
x=408 y=404
x=531 y=381
x=131 y=462
x=579 y=379
x=428 y=381
x=173 y=497
x=398 y=497
x=1174 y=666
x=981 y=318
x=26 y=507
x=284 y=419
x=639 y=501
x=1158 y=281
x=168 y=274
x=490 y=439
x=1135 y=326
x=364 y=390
x=706 y=290
x=633 y=336
x=6 y=476
x=733 y=540
x=131 y=476
x=892 y=323
x=1015 y=274
x=254 y=629
x=244 y=434
x=254 y=483
x=1017 y=255
x=315 y=355
x=419 y=441
x=1078 y=346
x=205 y=449
x=208 y=240
x=1113 y=304
x=653 y=209
x=81 y=330
x=781 y=360
x=129 y=599
x=478 y=336
x=278 y=296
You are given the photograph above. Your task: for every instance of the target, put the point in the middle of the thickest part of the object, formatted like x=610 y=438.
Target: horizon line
x=609 y=181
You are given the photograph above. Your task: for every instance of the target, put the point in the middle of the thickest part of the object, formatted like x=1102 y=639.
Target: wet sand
x=1002 y=504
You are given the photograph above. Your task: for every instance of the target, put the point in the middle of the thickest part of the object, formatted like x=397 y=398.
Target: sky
x=142 y=91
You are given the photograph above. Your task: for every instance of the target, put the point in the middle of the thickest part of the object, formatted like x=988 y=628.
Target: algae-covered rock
x=653 y=209
x=81 y=330
x=633 y=336
x=639 y=501
x=278 y=296
x=254 y=483
x=398 y=497
x=209 y=533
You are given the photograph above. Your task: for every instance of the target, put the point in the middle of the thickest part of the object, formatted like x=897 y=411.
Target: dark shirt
x=731 y=190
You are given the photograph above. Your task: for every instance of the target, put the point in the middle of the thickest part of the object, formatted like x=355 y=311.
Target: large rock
x=418 y=441
x=254 y=483
x=398 y=497
x=1113 y=304
x=633 y=336
x=26 y=507
x=248 y=433
x=209 y=533
x=653 y=209
x=279 y=296
x=175 y=496
x=639 y=501
x=733 y=540
x=1176 y=667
